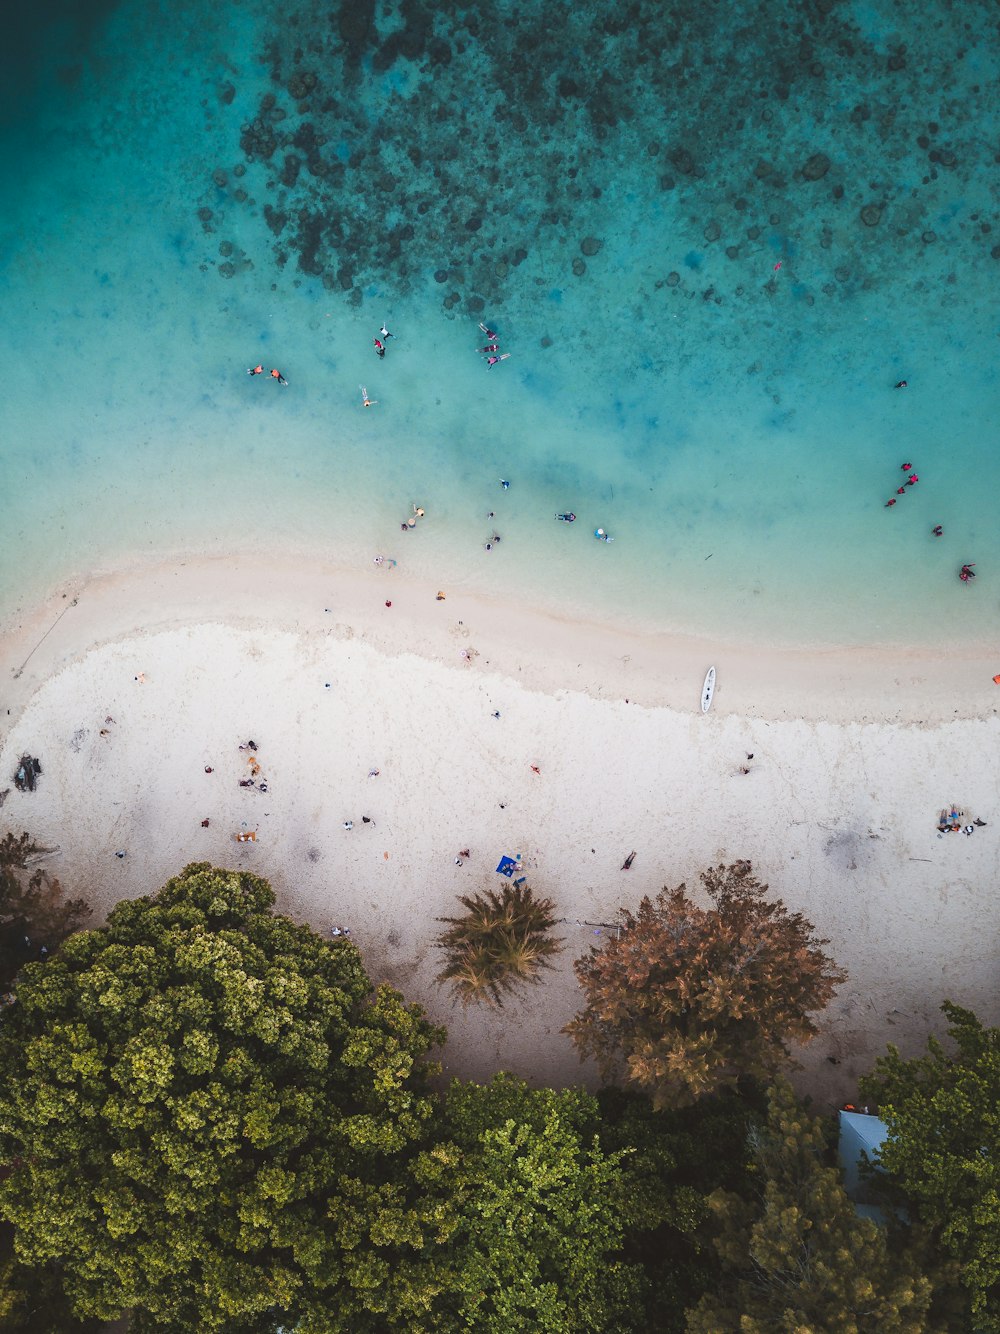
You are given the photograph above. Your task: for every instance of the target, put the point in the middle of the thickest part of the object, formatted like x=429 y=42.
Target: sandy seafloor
x=712 y=249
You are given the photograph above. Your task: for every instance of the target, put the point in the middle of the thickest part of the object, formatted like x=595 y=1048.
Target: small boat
x=708 y=690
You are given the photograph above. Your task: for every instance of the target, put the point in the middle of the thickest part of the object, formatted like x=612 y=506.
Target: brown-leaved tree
x=691 y=998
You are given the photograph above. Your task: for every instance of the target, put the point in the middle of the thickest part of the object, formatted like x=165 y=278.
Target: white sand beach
x=854 y=756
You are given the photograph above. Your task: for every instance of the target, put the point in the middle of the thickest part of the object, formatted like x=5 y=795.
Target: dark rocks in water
x=590 y=245
x=871 y=215
x=438 y=51
x=667 y=182
x=579 y=267
x=896 y=62
x=345 y=276
x=290 y=170
x=227 y=269
x=683 y=161
x=275 y=219
x=546 y=341
x=441 y=275
x=753 y=233
x=816 y=167
x=301 y=84
x=928 y=238
x=474 y=223
x=567 y=87
x=732 y=252
x=225 y=93
x=220 y=178
x=356 y=26
x=712 y=232
x=240 y=169
x=673 y=279
x=476 y=305
x=225 y=249
x=205 y=214
x=519 y=256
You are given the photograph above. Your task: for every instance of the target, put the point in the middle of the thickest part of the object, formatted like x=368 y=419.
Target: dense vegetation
x=212 y=1120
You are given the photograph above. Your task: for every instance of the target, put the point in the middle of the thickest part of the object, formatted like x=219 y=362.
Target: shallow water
x=731 y=423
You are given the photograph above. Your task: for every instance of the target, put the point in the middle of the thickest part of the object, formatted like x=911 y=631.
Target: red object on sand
x=388 y=604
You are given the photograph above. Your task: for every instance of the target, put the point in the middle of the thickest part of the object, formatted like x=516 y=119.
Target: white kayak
x=708 y=690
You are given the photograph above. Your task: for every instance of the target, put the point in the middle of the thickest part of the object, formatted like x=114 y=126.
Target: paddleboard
x=708 y=690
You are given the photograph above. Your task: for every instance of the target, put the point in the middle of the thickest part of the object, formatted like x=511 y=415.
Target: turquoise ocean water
x=190 y=189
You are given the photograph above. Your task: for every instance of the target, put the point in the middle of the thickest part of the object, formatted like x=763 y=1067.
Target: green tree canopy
x=34 y=914
x=185 y=1091
x=796 y=1258
x=942 y=1154
x=691 y=999
x=540 y=1213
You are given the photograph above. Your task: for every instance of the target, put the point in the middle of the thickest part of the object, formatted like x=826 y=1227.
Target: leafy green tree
x=691 y=999
x=34 y=914
x=188 y=1094
x=942 y=1155
x=797 y=1259
x=541 y=1212
x=501 y=942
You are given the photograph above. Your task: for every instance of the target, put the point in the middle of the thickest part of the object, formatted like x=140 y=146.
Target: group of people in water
x=275 y=373
x=966 y=573
x=599 y=533
x=491 y=351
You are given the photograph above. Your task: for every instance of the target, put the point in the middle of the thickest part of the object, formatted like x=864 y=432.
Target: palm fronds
x=500 y=943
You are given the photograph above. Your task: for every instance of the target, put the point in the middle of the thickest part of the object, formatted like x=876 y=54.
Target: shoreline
x=837 y=813
x=543 y=651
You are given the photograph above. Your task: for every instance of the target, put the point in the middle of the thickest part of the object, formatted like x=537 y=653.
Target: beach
x=854 y=755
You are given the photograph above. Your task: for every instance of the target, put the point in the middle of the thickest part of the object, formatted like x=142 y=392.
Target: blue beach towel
x=507 y=867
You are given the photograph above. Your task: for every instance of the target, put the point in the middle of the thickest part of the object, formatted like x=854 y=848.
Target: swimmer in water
x=566 y=518
x=277 y=375
x=365 y=400
x=600 y=533
x=255 y=370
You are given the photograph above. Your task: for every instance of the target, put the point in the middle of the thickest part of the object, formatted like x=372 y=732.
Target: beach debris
x=141 y=678
x=4 y=795
x=440 y=596
x=26 y=774
x=204 y=824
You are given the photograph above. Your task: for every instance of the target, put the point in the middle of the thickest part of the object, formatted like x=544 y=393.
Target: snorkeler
x=385 y=332
x=505 y=485
x=900 y=385
x=937 y=530
x=490 y=335
x=492 y=361
x=566 y=518
x=600 y=533
x=966 y=573
x=366 y=401
x=490 y=347
x=379 y=348
x=277 y=375
x=255 y=370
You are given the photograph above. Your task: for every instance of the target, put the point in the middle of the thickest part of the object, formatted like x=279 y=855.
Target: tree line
x=211 y=1119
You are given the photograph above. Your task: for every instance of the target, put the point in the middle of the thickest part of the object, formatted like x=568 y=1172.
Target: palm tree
x=500 y=943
